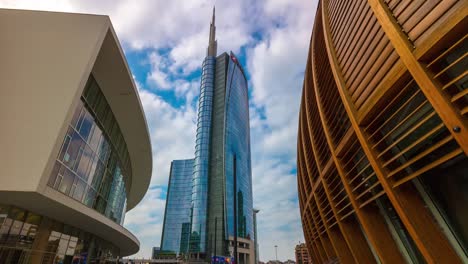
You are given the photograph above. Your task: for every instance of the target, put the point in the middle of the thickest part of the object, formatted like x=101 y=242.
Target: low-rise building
x=302 y=256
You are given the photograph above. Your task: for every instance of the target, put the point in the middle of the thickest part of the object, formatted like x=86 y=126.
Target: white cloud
x=172 y=133
x=49 y=5
x=276 y=65
x=158 y=75
x=145 y=221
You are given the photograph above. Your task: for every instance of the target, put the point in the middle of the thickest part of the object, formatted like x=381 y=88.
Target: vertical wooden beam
x=320 y=245
x=315 y=254
x=360 y=250
x=328 y=250
x=311 y=252
x=372 y=222
x=451 y=117
x=325 y=241
x=341 y=248
x=333 y=249
x=319 y=248
x=426 y=234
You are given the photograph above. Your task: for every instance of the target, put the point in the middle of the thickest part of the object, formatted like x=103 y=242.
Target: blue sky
x=165 y=43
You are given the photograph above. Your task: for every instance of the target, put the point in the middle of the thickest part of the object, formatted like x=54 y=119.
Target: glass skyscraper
x=221 y=178
x=176 y=231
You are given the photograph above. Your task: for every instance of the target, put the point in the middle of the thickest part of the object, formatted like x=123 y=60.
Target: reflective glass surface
x=93 y=165
x=227 y=103
x=237 y=144
x=200 y=167
x=176 y=228
x=26 y=237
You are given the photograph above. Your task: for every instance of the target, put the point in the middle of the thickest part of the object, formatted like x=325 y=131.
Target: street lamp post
x=276 y=253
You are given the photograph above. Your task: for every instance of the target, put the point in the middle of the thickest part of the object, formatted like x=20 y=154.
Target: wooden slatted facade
x=383 y=129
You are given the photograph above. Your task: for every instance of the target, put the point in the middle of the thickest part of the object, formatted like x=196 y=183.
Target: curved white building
x=75 y=148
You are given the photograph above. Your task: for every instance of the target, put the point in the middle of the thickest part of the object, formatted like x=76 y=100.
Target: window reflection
x=238 y=145
x=26 y=238
x=66 y=181
x=92 y=151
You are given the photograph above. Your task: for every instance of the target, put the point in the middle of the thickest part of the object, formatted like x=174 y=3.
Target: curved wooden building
x=383 y=133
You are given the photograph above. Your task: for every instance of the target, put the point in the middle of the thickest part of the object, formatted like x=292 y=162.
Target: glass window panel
x=97 y=176
x=62 y=246
x=3 y=217
x=80 y=119
x=117 y=143
x=112 y=163
x=55 y=234
x=101 y=204
x=106 y=185
x=71 y=248
x=53 y=243
x=4 y=230
x=104 y=150
x=78 y=158
x=107 y=121
x=86 y=125
x=80 y=187
x=93 y=150
x=59 y=178
x=94 y=140
x=53 y=175
x=92 y=168
x=101 y=107
x=114 y=133
x=84 y=162
x=76 y=114
x=30 y=227
x=92 y=92
x=71 y=153
x=90 y=197
x=24 y=229
x=66 y=143
x=67 y=181
x=87 y=87
x=16 y=228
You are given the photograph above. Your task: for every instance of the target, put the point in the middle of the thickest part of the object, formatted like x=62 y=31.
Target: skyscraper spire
x=212 y=44
x=213 y=18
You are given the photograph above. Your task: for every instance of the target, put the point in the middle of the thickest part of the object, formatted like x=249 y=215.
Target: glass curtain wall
x=93 y=165
x=26 y=237
x=176 y=229
x=238 y=146
x=201 y=163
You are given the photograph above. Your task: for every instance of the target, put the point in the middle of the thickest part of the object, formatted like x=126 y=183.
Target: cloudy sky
x=165 y=43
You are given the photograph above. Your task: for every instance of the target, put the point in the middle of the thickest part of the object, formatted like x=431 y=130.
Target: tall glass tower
x=176 y=227
x=220 y=178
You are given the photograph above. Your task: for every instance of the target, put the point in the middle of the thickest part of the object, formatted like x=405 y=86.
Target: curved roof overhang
x=116 y=82
x=55 y=205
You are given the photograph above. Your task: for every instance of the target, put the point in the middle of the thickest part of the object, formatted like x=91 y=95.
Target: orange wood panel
x=409 y=206
x=372 y=220
x=431 y=89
